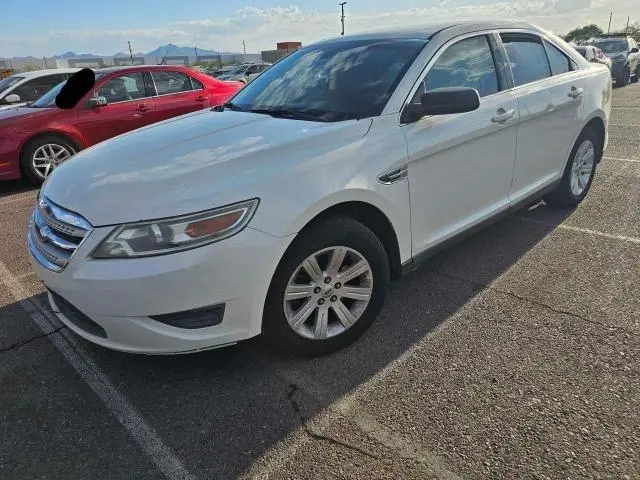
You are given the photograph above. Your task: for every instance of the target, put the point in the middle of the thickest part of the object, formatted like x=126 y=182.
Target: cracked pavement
x=515 y=354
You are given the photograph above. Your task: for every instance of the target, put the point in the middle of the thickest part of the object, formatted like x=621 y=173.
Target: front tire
x=328 y=288
x=43 y=154
x=636 y=77
x=579 y=171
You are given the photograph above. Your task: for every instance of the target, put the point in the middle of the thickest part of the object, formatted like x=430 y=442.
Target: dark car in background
x=625 y=57
x=35 y=139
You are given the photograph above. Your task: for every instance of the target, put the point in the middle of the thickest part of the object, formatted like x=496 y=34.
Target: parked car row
x=287 y=210
x=245 y=72
x=620 y=53
x=36 y=138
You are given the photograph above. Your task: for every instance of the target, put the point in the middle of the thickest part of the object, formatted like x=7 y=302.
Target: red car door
x=129 y=106
x=177 y=94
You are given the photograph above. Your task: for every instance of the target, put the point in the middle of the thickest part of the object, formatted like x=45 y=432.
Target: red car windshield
x=48 y=100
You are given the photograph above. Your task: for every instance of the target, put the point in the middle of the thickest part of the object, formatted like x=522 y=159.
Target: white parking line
x=144 y=435
x=623 y=125
x=621 y=159
x=588 y=231
x=13 y=200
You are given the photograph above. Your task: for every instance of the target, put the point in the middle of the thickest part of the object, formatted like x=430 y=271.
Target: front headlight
x=176 y=234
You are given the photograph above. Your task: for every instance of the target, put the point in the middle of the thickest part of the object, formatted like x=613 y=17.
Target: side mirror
x=12 y=98
x=442 y=101
x=94 y=102
x=635 y=50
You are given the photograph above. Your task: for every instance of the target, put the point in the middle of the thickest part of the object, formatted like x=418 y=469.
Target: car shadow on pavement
x=14 y=187
x=219 y=411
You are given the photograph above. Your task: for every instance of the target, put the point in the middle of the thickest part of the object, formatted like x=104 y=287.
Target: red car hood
x=22 y=113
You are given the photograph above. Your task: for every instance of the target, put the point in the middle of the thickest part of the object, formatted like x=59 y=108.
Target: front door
x=461 y=166
x=129 y=106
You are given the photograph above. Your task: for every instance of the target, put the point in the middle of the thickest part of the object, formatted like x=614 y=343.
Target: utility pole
x=45 y=62
x=244 y=49
x=609 y=29
x=130 y=53
x=626 y=30
x=342 y=15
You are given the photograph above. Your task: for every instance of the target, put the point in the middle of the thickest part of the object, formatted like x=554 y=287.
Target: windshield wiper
x=310 y=114
x=228 y=106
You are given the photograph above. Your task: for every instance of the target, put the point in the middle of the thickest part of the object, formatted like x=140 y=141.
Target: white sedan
x=22 y=88
x=288 y=211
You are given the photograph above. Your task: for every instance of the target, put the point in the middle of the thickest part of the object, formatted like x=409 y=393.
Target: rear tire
x=336 y=319
x=45 y=150
x=579 y=171
x=625 y=79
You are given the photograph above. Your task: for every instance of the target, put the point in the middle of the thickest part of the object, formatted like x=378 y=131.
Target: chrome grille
x=55 y=234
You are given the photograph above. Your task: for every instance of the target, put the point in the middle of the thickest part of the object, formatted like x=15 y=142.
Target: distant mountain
x=168 y=50
x=74 y=55
x=171 y=50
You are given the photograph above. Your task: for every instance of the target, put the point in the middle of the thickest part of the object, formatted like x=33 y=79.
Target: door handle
x=503 y=116
x=201 y=98
x=142 y=108
x=576 y=92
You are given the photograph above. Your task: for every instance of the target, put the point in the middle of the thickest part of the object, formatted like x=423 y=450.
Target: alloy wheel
x=583 y=163
x=48 y=156
x=328 y=293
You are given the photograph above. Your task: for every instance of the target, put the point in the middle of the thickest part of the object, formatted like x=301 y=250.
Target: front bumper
x=120 y=296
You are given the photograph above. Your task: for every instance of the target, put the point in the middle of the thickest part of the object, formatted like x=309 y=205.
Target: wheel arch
x=373 y=218
x=69 y=136
x=597 y=124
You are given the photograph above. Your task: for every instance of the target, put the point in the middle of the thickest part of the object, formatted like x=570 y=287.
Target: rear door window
x=527 y=57
x=560 y=63
x=171 y=82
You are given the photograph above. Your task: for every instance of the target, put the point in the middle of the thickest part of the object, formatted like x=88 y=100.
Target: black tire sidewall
x=337 y=231
x=26 y=158
x=563 y=196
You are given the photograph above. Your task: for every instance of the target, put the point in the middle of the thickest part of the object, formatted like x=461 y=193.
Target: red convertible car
x=36 y=138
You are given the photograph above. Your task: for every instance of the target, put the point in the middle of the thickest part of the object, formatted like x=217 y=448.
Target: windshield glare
x=48 y=100
x=611 y=46
x=349 y=79
x=9 y=81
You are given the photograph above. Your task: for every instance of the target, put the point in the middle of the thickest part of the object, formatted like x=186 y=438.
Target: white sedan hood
x=189 y=164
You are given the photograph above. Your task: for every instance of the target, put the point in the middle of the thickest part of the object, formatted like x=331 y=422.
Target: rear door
x=177 y=94
x=461 y=166
x=550 y=94
x=129 y=106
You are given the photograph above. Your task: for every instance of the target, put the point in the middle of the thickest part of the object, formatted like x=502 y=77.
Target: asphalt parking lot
x=515 y=354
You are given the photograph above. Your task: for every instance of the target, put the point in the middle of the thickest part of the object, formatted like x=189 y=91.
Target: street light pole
x=130 y=53
x=342 y=16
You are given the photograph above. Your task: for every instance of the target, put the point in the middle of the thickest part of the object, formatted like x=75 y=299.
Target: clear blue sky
x=48 y=27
